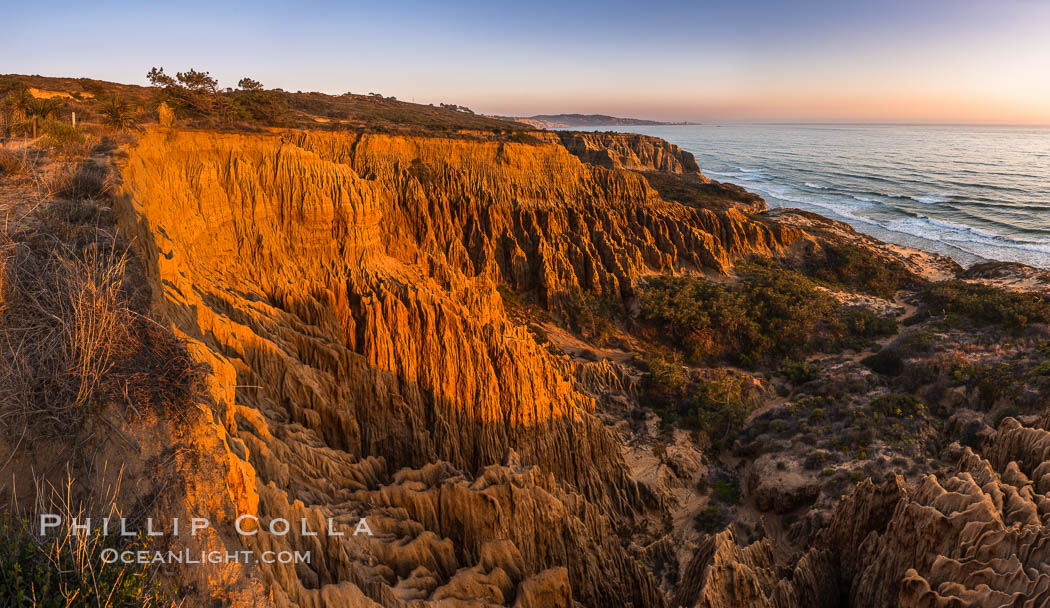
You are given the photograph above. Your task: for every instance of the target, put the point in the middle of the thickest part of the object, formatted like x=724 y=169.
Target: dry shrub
x=85 y=181
x=12 y=164
x=64 y=140
x=70 y=341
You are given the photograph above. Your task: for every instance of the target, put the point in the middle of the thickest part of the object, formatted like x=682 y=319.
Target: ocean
x=973 y=193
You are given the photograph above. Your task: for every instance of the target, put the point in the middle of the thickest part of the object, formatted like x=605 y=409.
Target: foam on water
x=973 y=193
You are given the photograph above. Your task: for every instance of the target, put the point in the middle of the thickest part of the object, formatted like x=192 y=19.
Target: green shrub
x=589 y=315
x=898 y=405
x=117 y=115
x=857 y=475
x=770 y=314
x=859 y=270
x=63 y=138
x=717 y=405
x=664 y=385
x=801 y=372
x=862 y=324
x=815 y=460
x=1043 y=369
x=68 y=570
x=887 y=362
x=993 y=381
x=725 y=491
x=710 y=519
x=967 y=304
x=890 y=360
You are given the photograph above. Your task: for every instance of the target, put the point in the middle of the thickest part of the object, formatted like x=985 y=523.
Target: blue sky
x=933 y=60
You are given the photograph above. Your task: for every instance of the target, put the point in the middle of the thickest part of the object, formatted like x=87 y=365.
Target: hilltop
x=557 y=121
x=266 y=107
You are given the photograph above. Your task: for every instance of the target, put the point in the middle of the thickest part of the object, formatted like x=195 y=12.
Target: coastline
x=905 y=185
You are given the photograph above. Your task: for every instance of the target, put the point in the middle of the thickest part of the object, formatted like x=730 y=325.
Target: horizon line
x=666 y=122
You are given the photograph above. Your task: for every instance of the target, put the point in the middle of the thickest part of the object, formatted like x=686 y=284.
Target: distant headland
x=558 y=121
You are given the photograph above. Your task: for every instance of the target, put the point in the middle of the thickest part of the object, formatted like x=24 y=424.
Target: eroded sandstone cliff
x=628 y=151
x=348 y=281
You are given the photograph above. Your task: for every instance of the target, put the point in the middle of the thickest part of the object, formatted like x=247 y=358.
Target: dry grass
x=73 y=336
x=80 y=182
x=12 y=164
x=65 y=141
x=77 y=348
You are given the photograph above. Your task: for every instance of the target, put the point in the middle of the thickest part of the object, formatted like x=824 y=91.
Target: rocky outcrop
x=978 y=537
x=628 y=151
x=723 y=573
x=536 y=218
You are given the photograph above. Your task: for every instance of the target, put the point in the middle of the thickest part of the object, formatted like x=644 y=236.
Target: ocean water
x=973 y=193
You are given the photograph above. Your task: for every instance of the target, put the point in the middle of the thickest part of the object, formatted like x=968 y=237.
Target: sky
x=866 y=61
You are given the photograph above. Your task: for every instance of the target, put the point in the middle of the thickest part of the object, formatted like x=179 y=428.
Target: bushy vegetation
x=118 y=115
x=710 y=519
x=71 y=338
x=726 y=491
x=717 y=403
x=692 y=190
x=63 y=138
x=858 y=270
x=837 y=428
x=12 y=164
x=769 y=315
x=66 y=569
x=199 y=100
x=890 y=361
x=590 y=315
x=992 y=381
x=898 y=405
x=962 y=304
x=800 y=372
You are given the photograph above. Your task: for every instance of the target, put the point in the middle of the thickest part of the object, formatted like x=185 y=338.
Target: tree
x=158 y=78
x=191 y=91
x=201 y=82
x=248 y=84
x=19 y=101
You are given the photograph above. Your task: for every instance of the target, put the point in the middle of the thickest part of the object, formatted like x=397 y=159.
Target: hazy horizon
x=938 y=62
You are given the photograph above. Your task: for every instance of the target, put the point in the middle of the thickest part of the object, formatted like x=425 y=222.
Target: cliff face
x=348 y=281
x=629 y=151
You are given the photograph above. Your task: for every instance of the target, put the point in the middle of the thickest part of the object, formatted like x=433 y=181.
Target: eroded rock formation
x=628 y=151
x=978 y=537
x=348 y=281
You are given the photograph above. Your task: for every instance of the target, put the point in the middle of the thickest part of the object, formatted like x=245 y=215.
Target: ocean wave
x=931 y=198
x=962 y=198
x=967 y=238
